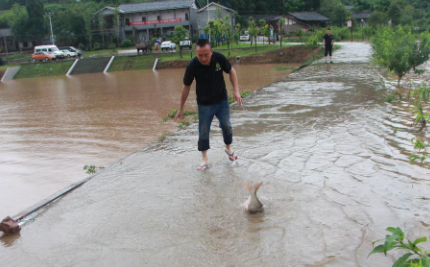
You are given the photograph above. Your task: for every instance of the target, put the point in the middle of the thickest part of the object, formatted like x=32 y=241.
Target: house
x=304 y=21
x=214 y=11
x=8 y=42
x=271 y=19
x=150 y=19
x=362 y=18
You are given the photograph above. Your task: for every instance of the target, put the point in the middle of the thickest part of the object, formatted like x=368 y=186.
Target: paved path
x=334 y=177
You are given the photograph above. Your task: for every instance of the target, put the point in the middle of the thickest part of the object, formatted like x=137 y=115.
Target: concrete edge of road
x=109 y=64
x=22 y=215
x=7 y=76
x=72 y=67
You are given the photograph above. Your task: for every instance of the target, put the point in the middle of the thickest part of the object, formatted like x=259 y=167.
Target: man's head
x=328 y=31
x=204 y=51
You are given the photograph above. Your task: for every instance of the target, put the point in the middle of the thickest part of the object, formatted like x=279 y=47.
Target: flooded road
x=334 y=178
x=50 y=128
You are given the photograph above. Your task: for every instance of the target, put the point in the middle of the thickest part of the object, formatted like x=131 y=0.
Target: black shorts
x=328 y=50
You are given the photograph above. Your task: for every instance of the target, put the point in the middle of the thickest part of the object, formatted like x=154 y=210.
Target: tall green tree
x=394 y=13
x=378 y=19
x=179 y=34
x=36 y=26
x=400 y=51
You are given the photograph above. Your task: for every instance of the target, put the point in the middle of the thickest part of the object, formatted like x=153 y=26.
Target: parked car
x=168 y=45
x=72 y=49
x=69 y=54
x=42 y=56
x=185 y=44
x=244 y=36
x=51 y=49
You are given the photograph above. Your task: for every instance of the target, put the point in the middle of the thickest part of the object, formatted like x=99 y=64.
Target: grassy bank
x=44 y=69
x=147 y=61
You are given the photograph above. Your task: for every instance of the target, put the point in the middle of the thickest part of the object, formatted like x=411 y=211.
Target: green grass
x=17 y=56
x=132 y=62
x=44 y=69
x=282 y=68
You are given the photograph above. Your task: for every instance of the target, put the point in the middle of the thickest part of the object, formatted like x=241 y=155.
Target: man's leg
x=206 y=115
x=331 y=51
x=325 y=54
x=223 y=115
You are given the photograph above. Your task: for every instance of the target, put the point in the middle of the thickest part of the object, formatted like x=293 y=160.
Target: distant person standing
x=328 y=45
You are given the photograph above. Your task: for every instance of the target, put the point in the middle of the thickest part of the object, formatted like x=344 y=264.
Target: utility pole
x=207 y=8
x=50 y=23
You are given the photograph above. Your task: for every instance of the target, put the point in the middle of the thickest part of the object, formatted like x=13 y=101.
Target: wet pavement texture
x=321 y=141
x=51 y=127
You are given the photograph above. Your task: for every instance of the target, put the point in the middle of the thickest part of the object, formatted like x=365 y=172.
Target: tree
x=264 y=28
x=36 y=26
x=400 y=51
x=253 y=31
x=311 y=5
x=335 y=11
x=407 y=15
x=228 y=32
x=179 y=34
x=394 y=13
x=378 y=19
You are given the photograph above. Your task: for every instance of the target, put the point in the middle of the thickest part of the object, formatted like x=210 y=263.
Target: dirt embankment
x=2 y=73
x=293 y=54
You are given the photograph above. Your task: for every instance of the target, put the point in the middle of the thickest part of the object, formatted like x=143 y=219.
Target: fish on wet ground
x=253 y=204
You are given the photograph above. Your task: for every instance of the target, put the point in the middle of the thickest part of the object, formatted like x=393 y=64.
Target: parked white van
x=51 y=49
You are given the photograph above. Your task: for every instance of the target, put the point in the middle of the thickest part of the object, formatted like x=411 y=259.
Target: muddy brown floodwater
x=51 y=127
x=334 y=175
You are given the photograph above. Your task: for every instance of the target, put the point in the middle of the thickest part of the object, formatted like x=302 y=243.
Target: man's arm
x=184 y=96
x=236 y=91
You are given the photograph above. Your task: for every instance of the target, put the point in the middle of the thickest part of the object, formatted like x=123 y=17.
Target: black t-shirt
x=210 y=79
x=328 y=40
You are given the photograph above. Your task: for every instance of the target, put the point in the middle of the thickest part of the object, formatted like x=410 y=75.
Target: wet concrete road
x=50 y=128
x=334 y=177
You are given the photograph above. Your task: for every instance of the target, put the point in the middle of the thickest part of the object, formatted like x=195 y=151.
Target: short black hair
x=328 y=29
x=203 y=42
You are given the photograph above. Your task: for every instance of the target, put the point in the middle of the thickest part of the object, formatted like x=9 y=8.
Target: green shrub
x=96 y=46
x=126 y=43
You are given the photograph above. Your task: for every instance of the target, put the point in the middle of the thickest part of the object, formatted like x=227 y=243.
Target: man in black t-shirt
x=328 y=45
x=207 y=69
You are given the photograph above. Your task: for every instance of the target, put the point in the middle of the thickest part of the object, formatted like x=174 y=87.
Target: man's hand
x=238 y=98
x=179 y=115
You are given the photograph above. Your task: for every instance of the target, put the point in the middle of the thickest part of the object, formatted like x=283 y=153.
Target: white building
x=153 y=19
x=214 y=11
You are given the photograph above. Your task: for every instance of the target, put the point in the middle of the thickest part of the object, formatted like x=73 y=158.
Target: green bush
x=126 y=43
x=96 y=46
x=416 y=256
x=81 y=46
x=400 y=51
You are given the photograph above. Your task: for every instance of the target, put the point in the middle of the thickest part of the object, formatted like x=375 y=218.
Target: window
x=186 y=16
x=158 y=17
x=127 y=22
x=144 y=19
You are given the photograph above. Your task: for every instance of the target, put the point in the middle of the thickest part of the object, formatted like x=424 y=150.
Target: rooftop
x=156 y=5
x=308 y=16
